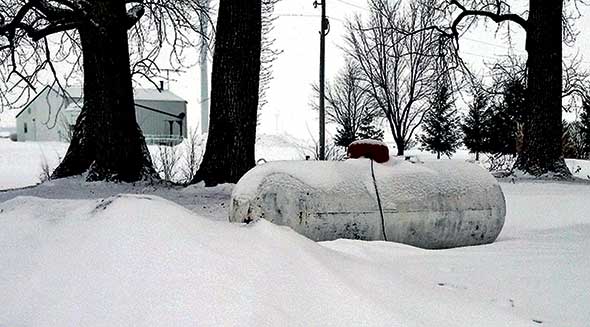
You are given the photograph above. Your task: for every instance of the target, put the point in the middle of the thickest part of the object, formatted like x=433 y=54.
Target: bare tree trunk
x=400 y=145
x=541 y=151
x=107 y=141
x=229 y=153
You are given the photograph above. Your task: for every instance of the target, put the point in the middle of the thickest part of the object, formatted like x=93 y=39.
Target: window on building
x=26 y=130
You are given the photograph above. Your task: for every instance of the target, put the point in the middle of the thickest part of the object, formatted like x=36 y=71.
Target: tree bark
x=229 y=153
x=541 y=152
x=107 y=141
x=400 y=145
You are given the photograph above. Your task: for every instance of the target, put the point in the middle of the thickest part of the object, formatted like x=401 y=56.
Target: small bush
x=193 y=155
x=166 y=161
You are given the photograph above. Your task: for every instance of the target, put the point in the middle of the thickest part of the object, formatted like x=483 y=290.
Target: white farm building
x=51 y=115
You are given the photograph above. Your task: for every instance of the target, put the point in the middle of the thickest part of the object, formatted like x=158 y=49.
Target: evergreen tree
x=368 y=129
x=441 y=125
x=515 y=100
x=505 y=117
x=475 y=126
x=502 y=131
x=349 y=106
x=344 y=136
x=570 y=145
x=546 y=26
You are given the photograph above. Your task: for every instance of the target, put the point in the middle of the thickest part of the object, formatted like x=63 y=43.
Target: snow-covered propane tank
x=433 y=205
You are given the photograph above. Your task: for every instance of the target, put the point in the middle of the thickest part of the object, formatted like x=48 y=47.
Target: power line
x=488 y=43
x=479 y=55
x=298 y=15
x=353 y=5
x=518 y=52
x=310 y=16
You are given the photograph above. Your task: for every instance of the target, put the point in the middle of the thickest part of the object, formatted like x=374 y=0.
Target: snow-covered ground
x=21 y=163
x=81 y=254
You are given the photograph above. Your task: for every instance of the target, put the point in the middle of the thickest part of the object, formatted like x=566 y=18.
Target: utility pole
x=325 y=29
x=204 y=51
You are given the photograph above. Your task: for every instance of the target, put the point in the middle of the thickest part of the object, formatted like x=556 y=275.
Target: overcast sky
x=289 y=97
x=296 y=33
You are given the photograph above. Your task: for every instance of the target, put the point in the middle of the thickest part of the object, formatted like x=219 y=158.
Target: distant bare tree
x=268 y=53
x=399 y=65
x=332 y=152
x=348 y=102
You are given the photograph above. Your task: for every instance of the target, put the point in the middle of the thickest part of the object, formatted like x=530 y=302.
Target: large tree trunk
x=541 y=152
x=107 y=142
x=234 y=95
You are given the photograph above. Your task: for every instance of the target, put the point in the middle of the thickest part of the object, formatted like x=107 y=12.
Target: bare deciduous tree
x=348 y=103
x=268 y=52
x=93 y=36
x=399 y=65
x=229 y=153
x=547 y=25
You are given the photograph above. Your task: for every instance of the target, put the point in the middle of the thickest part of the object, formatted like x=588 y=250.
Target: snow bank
x=431 y=205
x=580 y=168
x=21 y=162
x=143 y=261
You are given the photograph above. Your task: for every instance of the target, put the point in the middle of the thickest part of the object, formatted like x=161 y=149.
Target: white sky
x=296 y=33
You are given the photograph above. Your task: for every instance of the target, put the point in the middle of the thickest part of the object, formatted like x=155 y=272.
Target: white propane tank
x=433 y=205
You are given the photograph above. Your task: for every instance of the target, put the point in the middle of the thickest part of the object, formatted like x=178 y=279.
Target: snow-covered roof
x=139 y=94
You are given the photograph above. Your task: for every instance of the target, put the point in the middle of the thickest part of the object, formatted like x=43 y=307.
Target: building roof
x=31 y=101
x=138 y=94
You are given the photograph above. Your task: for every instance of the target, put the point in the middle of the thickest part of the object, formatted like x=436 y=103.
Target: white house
x=51 y=115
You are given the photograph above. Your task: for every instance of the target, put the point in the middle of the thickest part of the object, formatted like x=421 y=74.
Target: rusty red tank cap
x=371 y=149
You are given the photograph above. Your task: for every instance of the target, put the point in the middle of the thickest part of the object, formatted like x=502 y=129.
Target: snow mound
x=137 y=260
x=432 y=205
x=370 y=142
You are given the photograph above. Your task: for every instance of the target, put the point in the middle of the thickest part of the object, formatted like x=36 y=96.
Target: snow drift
x=435 y=204
x=144 y=261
